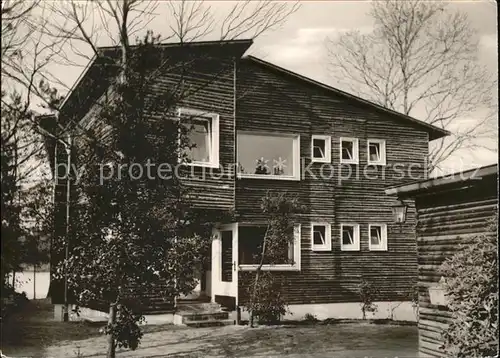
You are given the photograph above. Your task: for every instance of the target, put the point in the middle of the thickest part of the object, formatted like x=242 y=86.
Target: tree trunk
x=257 y=274
x=111 y=337
x=34 y=282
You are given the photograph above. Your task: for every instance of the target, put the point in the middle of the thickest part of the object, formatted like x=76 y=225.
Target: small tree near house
x=409 y=295
x=267 y=301
x=367 y=293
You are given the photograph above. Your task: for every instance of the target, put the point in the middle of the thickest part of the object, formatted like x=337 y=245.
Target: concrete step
x=204 y=316
x=210 y=323
x=199 y=307
x=201 y=299
x=159 y=311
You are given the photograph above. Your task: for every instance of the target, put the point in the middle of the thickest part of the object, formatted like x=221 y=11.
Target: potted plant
x=437 y=293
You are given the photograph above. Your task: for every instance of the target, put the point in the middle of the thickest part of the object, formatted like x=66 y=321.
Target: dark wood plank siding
x=445 y=220
x=209 y=86
x=268 y=101
x=204 y=79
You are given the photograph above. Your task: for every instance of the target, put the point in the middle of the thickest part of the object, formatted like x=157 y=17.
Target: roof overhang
x=456 y=179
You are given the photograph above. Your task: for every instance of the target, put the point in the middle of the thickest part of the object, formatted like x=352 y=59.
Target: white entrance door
x=225 y=261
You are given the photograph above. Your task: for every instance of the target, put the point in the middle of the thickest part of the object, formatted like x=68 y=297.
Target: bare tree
x=421 y=60
x=89 y=25
x=26 y=54
x=25 y=57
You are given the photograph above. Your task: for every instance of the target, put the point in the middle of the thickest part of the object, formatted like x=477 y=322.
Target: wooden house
x=450 y=209
x=335 y=151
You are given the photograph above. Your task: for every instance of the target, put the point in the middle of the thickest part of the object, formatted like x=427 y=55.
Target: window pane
x=319 y=235
x=348 y=235
x=250 y=244
x=250 y=241
x=347 y=150
x=319 y=148
x=374 y=149
x=375 y=235
x=199 y=138
x=265 y=155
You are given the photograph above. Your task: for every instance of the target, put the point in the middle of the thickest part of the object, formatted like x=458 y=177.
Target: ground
x=32 y=334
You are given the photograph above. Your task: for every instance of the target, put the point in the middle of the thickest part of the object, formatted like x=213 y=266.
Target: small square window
x=349 y=152
x=349 y=237
x=321 y=237
x=376 y=151
x=377 y=237
x=321 y=148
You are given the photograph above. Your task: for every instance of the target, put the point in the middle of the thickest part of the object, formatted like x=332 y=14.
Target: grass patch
x=30 y=330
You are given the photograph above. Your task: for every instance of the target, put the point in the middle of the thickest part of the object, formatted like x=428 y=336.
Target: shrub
x=310 y=318
x=472 y=289
x=367 y=293
x=268 y=305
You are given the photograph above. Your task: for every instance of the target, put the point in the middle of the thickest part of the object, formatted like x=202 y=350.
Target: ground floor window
x=349 y=239
x=284 y=256
x=321 y=237
x=378 y=237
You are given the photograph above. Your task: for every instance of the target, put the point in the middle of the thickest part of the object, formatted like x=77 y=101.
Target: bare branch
x=420 y=57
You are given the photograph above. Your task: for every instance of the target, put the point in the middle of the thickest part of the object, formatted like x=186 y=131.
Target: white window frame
x=328 y=237
x=381 y=143
x=383 y=232
x=327 y=149
x=295 y=266
x=213 y=119
x=355 y=246
x=296 y=157
x=355 y=149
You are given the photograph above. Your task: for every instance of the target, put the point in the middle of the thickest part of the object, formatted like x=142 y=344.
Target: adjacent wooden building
x=450 y=209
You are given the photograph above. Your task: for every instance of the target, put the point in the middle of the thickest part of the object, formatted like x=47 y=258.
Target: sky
x=300 y=47
x=299 y=44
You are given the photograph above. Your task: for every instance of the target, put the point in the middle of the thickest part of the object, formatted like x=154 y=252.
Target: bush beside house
x=472 y=290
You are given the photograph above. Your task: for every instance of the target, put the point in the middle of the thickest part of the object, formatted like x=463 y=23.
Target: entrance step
x=187 y=301
x=195 y=317
x=201 y=315
x=210 y=323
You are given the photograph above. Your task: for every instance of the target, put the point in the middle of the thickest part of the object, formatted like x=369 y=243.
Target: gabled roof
x=434 y=132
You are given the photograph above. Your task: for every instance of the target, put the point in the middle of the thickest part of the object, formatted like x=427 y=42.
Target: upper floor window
x=202 y=130
x=376 y=151
x=349 y=152
x=321 y=237
x=349 y=237
x=377 y=237
x=270 y=156
x=321 y=147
